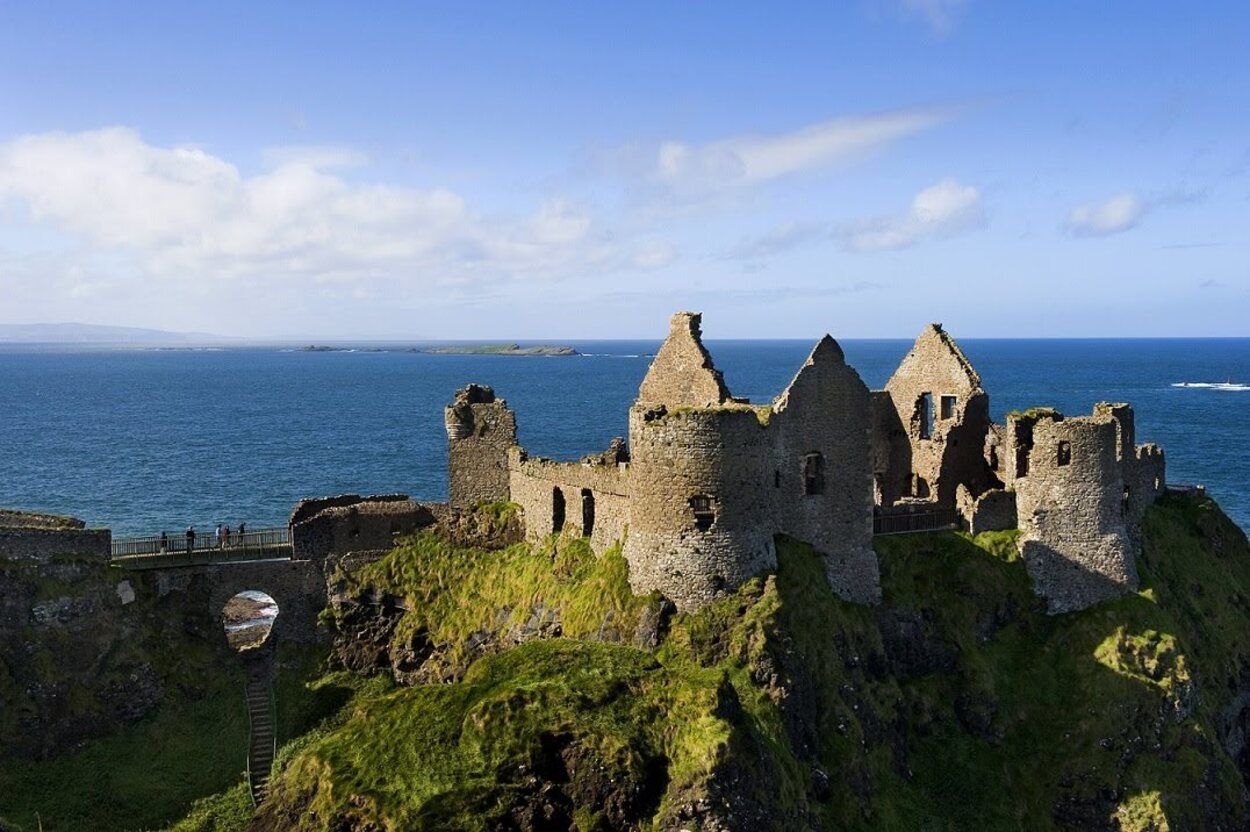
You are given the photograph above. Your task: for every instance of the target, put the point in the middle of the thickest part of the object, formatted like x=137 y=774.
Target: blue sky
x=568 y=171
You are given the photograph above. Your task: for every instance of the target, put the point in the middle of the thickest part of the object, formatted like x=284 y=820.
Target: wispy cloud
x=184 y=214
x=942 y=210
x=1113 y=216
x=689 y=171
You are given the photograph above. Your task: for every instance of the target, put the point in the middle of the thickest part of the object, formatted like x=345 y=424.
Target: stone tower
x=480 y=430
x=715 y=479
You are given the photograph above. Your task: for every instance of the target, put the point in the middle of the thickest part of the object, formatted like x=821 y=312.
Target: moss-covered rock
x=956 y=704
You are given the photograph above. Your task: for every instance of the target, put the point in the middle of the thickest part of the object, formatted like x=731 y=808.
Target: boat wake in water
x=1213 y=385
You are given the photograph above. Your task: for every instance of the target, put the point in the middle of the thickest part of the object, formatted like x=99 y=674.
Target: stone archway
x=248 y=619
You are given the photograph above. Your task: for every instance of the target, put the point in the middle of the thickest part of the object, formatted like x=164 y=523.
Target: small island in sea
x=460 y=349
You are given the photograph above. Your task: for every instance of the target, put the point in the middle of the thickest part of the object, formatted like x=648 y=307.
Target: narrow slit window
x=813 y=474
x=1065 y=453
x=925 y=407
x=588 y=512
x=703 y=510
x=557 y=510
x=948 y=407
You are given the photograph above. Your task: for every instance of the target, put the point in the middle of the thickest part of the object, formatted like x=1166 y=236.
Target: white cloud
x=691 y=171
x=184 y=214
x=942 y=210
x=1098 y=219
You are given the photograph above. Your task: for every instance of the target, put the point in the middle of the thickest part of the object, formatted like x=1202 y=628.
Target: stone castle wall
x=594 y=492
x=349 y=523
x=935 y=438
x=480 y=431
x=1071 y=510
x=701 y=512
x=709 y=480
x=826 y=411
x=44 y=542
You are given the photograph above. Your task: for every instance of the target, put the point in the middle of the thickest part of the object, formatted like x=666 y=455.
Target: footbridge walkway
x=157 y=552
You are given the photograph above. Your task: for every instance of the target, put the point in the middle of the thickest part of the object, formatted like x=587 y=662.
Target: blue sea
x=145 y=440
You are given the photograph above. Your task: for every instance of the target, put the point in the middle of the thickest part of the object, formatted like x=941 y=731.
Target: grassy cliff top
x=956 y=704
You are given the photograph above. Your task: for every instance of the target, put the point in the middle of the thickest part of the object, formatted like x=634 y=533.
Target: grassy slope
x=985 y=714
x=147 y=774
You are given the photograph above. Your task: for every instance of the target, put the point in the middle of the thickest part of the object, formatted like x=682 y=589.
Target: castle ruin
x=707 y=481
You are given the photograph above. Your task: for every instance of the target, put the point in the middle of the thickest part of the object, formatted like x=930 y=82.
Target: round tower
x=699 y=523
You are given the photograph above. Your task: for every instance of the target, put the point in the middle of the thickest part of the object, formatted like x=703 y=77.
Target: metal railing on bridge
x=915 y=521
x=253 y=544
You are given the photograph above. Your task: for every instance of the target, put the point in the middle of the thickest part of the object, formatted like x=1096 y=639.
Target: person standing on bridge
x=164 y=543
x=190 y=538
x=225 y=535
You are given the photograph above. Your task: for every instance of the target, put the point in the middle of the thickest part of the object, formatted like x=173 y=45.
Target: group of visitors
x=221 y=537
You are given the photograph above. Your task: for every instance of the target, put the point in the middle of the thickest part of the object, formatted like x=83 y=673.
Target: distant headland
x=459 y=349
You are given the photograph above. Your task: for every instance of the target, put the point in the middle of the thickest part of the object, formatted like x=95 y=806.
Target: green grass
x=984 y=713
x=453 y=592
x=147 y=774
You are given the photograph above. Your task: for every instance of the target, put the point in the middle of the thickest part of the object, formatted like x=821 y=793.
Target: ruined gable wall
x=532 y=482
x=891 y=451
x=682 y=374
x=480 y=431
x=724 y=454
x=954 y=452
x=1073 y=537
x=827 y=410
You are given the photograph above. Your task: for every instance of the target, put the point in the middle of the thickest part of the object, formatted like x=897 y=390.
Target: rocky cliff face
x=72 y=666
x=527 y=689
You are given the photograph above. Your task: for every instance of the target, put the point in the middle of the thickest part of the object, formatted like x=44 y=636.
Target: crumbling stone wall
x=826 y=411
x=480 y=431
x=715 y=479
x=993 y=511
x=30 y=536
x=936 y=438
x=596 y=489
x=682 y=374
x=1070 y=502
x=701 y=514
x=349 y=523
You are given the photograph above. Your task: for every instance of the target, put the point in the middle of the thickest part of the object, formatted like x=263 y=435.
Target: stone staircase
x=260 y=746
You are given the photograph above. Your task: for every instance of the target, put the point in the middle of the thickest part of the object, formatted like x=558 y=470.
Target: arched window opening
x=557 y=510
x=813 y=474
x=588 y=512
x=704 y=510
x=248 y=618
x=1124 y=500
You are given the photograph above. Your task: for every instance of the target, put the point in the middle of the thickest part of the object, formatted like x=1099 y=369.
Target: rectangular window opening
x=948 y=407
x=703 y=510
x=1065 y=453
x=925 y=407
